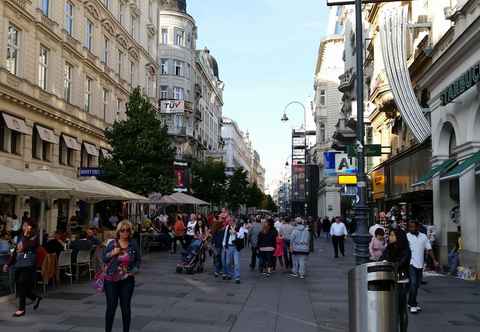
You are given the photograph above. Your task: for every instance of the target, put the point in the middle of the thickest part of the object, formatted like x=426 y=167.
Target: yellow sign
x=347 y=179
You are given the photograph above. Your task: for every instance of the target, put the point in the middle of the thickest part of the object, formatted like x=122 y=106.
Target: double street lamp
x=304 y=127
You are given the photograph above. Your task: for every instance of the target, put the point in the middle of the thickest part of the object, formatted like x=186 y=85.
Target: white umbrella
x=119 y=193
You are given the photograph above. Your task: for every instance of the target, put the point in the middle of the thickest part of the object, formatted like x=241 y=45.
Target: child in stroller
x=193 y=258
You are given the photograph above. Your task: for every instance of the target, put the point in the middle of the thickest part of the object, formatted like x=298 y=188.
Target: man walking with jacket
x=300 y=248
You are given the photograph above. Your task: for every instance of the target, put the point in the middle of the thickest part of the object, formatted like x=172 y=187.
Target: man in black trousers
x=338 y=232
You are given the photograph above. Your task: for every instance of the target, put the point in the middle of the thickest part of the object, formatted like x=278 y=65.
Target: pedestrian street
x=166 y=301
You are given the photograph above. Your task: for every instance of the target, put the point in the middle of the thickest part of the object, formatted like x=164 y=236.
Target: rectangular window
x=164 y=66
x=105 y=103
x=120 y=63
x=108 y=4
x=45 y=6
x=88 y=94
x=164 y=92
x=164 y=36
x=133 y=73
x=69 y=17
x=119 y=108
x=323 y=97
x=13 y=49
x=133 y=26
x=150 y=46
x=121 y=9
x=15 y=142
x=150 y=10
x=179 y=37
x=67 y=82
x=106 y=50
x=178 y=93
x=178 y=68
x=150 y=85
x=43 y=68
x=89 y=35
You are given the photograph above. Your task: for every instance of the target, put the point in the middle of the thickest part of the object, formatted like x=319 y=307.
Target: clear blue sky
x=266 y=50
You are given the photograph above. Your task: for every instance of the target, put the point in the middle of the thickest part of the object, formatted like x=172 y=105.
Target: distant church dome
x=175 y=5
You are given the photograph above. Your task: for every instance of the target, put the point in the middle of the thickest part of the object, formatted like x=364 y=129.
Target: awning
x=423 y=180
x=105 y=153
x=16 y=124
x=71 y=143
x=463 y=167
x=91 y=149
x=47 y=135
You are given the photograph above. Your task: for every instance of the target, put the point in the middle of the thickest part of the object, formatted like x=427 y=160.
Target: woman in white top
x=190 y=233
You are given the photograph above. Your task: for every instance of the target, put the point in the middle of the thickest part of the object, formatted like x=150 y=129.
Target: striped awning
x=434 y=171
x=393 y=37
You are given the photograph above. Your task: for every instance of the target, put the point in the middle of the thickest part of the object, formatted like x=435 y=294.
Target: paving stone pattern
x=165 y=301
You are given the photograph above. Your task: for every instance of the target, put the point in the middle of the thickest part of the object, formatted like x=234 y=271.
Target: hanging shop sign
x=371 y=150
x=347 y=179
x=462 y=84
x=90 y=171
x=172 y=106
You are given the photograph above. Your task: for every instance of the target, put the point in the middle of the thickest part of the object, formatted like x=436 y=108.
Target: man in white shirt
x=419 y=243
x=338 y=232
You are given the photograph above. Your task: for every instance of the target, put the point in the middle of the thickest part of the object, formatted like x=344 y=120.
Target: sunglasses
x=125 y=230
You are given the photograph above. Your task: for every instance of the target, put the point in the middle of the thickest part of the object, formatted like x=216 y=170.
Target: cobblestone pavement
x=165 y=301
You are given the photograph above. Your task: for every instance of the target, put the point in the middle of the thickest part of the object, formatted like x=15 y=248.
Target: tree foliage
x=269 y=204
x=209 y=181
x=142 y=152
x=254 y=196
x=237 y=185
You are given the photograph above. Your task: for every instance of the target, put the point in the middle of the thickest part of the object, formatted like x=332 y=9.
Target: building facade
x=326 y=105
x=238 y=152
x=176 y=80
x=66 y=70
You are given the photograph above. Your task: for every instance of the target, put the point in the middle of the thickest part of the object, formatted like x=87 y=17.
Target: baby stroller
x=193 y=259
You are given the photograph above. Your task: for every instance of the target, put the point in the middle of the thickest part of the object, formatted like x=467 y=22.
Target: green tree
x=237 y=185
x=254 y=196
x=142 y=152
x=209 y=181
x=269 y=204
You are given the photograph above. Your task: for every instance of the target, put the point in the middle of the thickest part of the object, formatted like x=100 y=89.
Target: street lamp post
x=361 y=236
x=304 y=125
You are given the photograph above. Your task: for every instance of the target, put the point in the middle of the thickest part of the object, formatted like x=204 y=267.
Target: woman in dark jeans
x=398 y=252
x=266 y=246
x=23 y=261
x=122 y=259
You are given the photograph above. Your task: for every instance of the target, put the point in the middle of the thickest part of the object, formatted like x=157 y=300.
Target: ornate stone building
x=66 y=69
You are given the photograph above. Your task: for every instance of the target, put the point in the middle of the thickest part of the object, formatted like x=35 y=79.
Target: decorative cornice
x=92 y=9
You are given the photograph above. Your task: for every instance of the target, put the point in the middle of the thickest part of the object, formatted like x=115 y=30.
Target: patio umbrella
x=181 y=198
x=116 y=192
x=13 y=181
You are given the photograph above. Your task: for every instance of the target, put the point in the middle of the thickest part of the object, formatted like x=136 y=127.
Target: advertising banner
x=172 y=106
x=329 y=163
